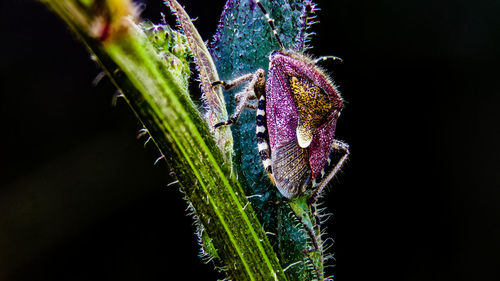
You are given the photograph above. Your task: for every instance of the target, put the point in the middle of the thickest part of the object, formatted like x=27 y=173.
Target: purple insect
x=297 y=111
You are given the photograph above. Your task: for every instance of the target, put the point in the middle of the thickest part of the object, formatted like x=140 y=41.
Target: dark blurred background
x=419 y=198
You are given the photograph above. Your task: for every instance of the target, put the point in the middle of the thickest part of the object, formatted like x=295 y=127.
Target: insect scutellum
x=297 y=110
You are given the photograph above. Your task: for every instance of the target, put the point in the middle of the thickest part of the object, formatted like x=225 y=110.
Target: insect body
x=297 y=112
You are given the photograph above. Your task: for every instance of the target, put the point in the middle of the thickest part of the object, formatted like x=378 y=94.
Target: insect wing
x=281 y=112
x=290 y=164
x=291 y=169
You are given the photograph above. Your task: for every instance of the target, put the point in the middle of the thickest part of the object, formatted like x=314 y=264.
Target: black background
x=80 y=198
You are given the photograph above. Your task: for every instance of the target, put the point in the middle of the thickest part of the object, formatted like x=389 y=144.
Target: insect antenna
x=270 y=21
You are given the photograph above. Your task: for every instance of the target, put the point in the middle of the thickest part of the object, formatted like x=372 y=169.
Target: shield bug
x=297 y=111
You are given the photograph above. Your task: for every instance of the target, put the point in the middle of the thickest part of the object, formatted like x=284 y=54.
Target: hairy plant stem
x=109 y=31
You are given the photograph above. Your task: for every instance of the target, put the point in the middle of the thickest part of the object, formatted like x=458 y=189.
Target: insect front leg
x=254 y=89
x=230 y=84
x=329 y=171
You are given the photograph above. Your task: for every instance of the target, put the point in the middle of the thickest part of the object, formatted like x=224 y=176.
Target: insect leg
x=251 y=106
x=327 y=173
x=256 y=79
x=230 y=84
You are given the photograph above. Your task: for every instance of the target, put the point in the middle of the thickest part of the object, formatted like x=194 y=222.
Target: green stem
x=109 y=31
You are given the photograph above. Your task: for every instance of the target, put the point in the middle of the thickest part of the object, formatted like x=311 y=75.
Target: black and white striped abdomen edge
x=262 y=135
